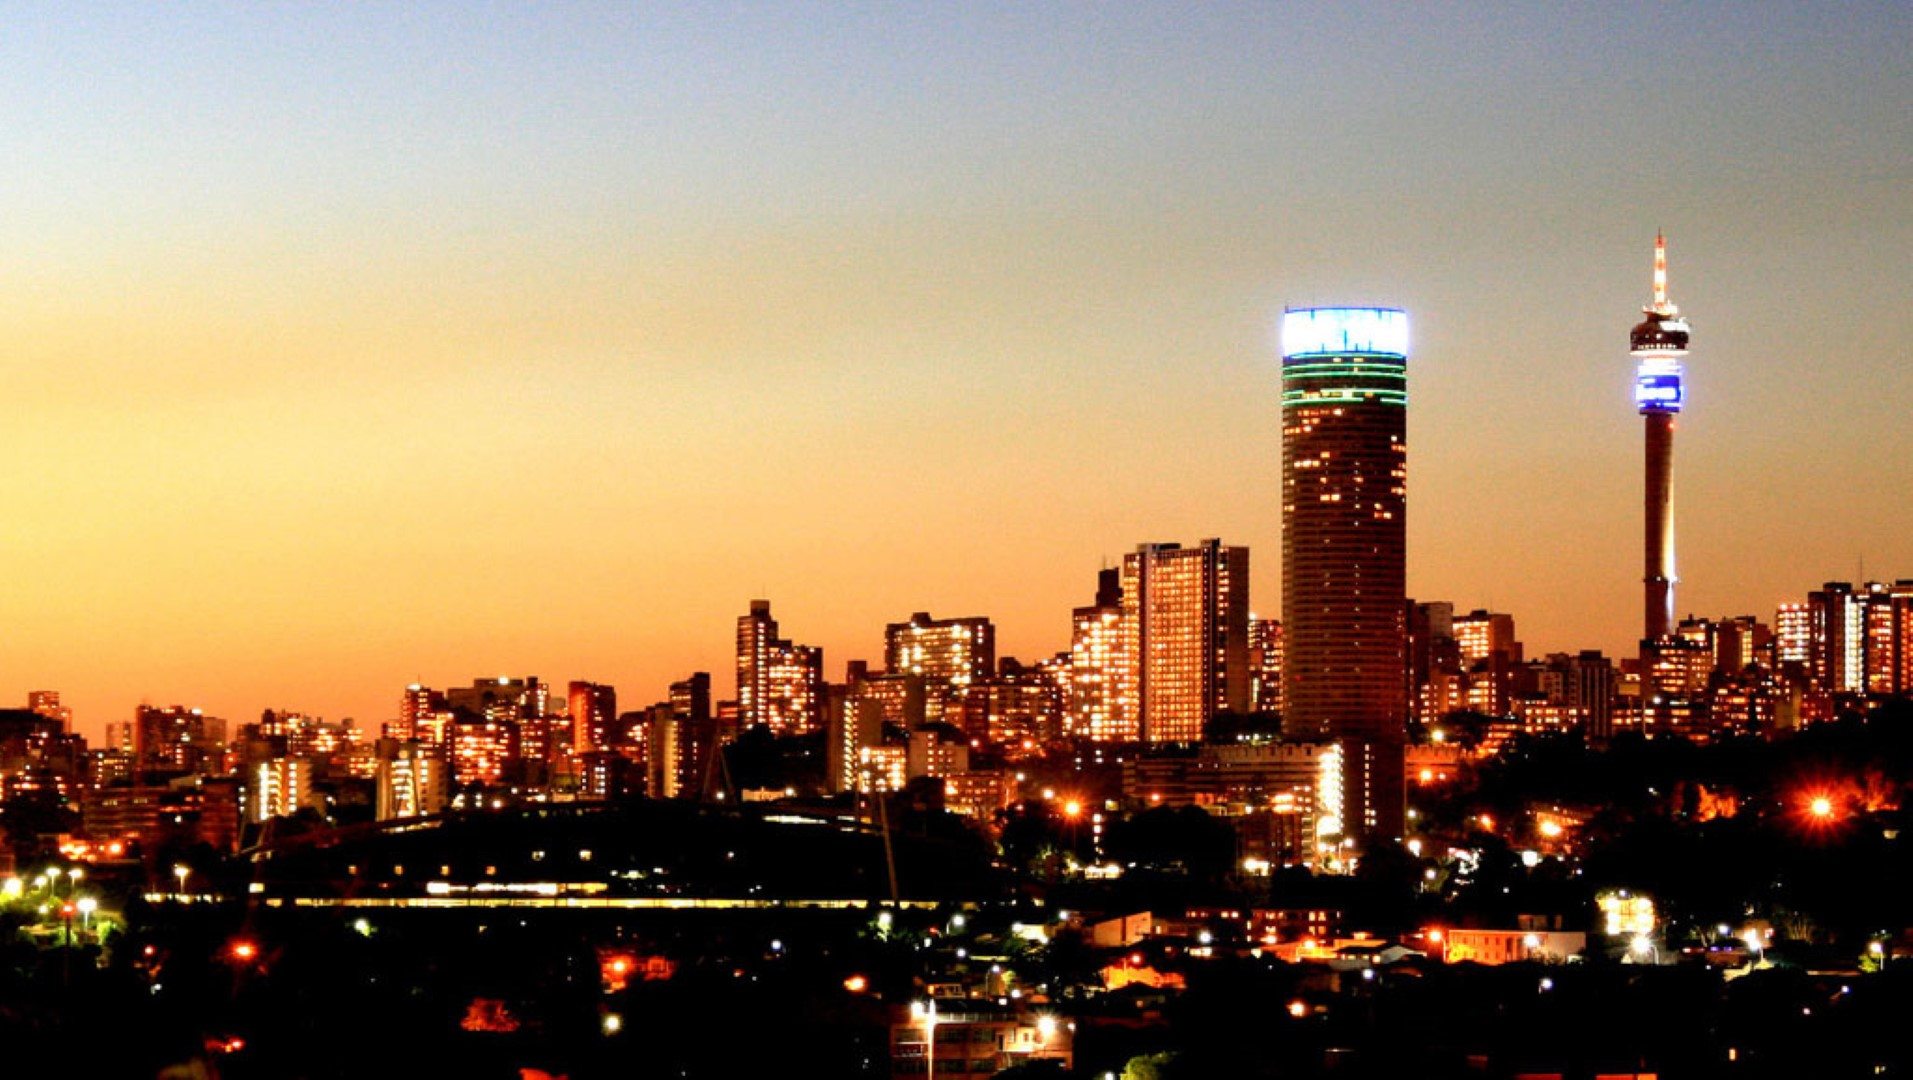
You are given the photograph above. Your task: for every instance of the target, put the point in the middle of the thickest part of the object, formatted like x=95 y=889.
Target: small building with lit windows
x=975 y=1040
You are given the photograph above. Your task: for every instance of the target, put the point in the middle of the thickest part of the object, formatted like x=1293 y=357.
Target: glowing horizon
x=348 y=348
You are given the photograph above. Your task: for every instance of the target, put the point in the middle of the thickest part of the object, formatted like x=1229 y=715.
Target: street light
x=181 y=871
x=1644 y=946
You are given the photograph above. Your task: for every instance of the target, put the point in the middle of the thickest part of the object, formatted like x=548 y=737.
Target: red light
x=244 y=950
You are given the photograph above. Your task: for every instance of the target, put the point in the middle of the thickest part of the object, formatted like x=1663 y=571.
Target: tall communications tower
x=1659 y=344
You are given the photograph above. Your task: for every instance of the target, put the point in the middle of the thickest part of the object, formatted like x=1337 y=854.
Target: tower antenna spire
x=1660 y=271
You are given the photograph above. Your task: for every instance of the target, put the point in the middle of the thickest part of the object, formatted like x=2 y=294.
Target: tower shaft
x=1658 y=514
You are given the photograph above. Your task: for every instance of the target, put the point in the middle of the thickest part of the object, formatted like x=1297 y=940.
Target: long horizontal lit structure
x=598 y=903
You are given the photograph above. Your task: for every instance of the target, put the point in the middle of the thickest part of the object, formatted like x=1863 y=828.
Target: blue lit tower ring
x=1344 y=550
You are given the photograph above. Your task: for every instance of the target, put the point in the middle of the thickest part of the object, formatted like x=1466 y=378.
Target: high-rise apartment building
x=1436 y=683
x=1490 y=655
x=1889 y=637
x=670 y=756
x=413 y=779
x=1852 y=641
x=278 y=787
x=780 y=685
x=503 y=698
x=1588 y=685
x=295 y=734
x=593 y=708
x=953 y=652
x=481 y=749
x=1793 y=634
x=1265 y=665
x=418 y=709
x=852 y=729
x=178 y=739
x=1101 y=687
x=47 y=704
x=1186 y=625
x=1344 y=552
x=1837 y=646
x=1740 y=643
x=1481 y=634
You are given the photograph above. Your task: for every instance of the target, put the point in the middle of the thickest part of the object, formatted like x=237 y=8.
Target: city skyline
x=547 y=354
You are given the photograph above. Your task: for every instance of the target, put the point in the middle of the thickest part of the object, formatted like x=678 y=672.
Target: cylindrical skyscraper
x=1658 y=344
x=1344 y=555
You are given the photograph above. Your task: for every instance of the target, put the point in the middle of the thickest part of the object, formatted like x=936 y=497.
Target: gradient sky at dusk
x=345 y=345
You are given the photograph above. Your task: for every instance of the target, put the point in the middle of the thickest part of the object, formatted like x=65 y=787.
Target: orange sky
x=343 y=349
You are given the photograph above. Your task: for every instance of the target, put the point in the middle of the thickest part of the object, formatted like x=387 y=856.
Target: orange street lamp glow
x=1821 y=807
x=244 y=950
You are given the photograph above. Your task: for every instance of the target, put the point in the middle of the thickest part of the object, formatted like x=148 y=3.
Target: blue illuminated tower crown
x=1658 y=343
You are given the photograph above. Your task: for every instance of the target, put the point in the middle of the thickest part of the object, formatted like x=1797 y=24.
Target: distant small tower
x=1659 y=344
